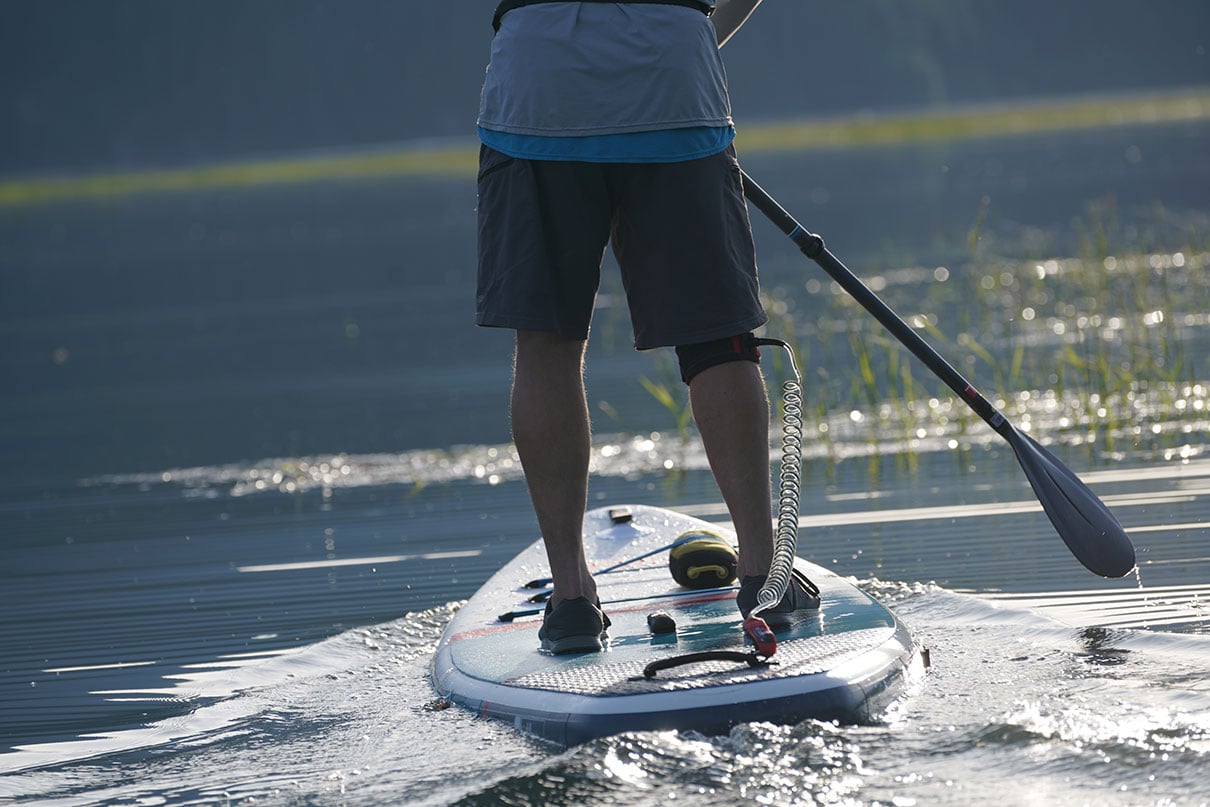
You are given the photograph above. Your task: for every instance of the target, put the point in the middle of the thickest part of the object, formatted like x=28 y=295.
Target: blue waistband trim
x=663 y=146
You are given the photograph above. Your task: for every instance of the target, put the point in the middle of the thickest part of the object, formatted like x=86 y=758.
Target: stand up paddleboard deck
x=845 y=664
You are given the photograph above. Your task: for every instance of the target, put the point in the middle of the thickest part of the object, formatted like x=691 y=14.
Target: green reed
x=1103 y=340
x=671 y=394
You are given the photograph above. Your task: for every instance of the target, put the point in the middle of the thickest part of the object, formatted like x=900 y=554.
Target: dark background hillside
x=88 y=85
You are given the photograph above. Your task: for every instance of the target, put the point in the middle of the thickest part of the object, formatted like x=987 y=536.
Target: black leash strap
x=752 y=659
x=509 y=5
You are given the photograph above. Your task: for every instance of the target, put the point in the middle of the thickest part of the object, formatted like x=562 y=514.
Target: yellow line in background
x=963 y=123
x=459 y=161
x=404 y=161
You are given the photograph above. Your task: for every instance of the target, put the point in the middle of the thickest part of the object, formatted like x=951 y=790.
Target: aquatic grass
x=671 y=394
x=1092 y=348
x=865 y=383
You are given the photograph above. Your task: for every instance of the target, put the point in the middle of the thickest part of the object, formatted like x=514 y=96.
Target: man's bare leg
x=731 y=409
x=552 y=433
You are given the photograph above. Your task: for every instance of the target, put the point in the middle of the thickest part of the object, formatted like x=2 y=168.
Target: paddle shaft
x=813 y=247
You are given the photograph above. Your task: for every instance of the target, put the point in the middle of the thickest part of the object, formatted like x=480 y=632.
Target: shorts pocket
x=491 y=161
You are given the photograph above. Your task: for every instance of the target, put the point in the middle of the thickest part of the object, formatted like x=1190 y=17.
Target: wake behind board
x=845 y=665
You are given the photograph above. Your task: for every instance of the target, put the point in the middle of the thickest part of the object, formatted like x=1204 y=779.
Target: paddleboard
x=846 y=664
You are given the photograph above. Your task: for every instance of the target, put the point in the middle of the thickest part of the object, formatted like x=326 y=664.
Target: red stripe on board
x=487 y=630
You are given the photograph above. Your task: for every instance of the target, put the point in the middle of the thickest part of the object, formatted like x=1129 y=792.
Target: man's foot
x=800 y=601
x=575 y=626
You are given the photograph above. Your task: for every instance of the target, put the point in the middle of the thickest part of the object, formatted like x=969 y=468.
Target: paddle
x=1086 y=525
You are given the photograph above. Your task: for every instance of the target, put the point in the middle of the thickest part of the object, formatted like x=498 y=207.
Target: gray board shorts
x=680 y=233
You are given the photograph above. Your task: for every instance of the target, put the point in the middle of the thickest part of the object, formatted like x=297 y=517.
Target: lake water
x=255 y=455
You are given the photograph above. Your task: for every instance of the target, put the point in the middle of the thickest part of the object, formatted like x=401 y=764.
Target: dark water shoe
x=574 y=626
x=800 y=602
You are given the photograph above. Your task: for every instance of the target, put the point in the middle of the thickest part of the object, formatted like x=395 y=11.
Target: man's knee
x=704 y=355
x=548 y=350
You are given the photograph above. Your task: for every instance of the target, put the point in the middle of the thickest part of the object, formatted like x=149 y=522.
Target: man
x=609 y=122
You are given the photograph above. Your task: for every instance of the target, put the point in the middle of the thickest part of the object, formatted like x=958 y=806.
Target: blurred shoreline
x=456 y=157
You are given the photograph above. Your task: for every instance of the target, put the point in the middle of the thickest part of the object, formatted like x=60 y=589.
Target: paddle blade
x=1082 y=520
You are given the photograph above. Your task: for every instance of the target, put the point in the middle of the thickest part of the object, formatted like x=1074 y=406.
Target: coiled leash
x=785 y=542
x=785 y=539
